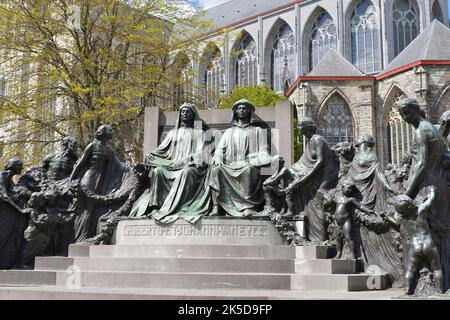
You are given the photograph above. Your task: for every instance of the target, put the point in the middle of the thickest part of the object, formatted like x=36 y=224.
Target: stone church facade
x=342 y=62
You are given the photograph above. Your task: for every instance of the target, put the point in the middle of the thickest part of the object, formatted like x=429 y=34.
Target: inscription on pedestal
x=205 y=231
x=214 y=231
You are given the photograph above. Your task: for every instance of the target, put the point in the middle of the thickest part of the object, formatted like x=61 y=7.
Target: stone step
x=192 y=280
x=327 y=266
x=27 y=277
x=209 y=251
x=195 y=280
x=199 y=280
x=180 y=251
x=223 y=265
x=98 y=293
x=339 y=282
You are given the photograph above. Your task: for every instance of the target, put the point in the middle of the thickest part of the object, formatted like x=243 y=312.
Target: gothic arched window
x=183 y=86
x=335 y=122
x=406 y=24
x=213 y=78
x=323 y=38
x=283 y=59
x=246 y=62
x=401 y=134
x=365 y=38
x=436 y=13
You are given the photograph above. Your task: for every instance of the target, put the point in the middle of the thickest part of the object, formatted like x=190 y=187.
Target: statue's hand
x=268 y=182
x=149 y=158
x=431 y=189
x=290 y=188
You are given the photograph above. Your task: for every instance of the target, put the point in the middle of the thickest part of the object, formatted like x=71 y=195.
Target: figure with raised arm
x=413 y=221
x=344 y=216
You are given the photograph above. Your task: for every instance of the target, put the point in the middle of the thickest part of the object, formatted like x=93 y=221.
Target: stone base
x=207 y=231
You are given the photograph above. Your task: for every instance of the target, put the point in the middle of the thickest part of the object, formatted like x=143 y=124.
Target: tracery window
x=183 y=86
x=400 y=133
x=365 y=38
x=283 y=56
x=335 y=122
x=406 y=24
x=246 y=62
x=323 y=38
x=214 y=80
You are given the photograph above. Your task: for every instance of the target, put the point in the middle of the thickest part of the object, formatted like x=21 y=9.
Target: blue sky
x=211 y=3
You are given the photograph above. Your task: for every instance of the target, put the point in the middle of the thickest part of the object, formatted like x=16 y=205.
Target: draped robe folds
x=308 y=198
x=179 y=179
x=439 y=217
x=236 y=175
x=377 y=249
x=103 y=174
x=12 y=226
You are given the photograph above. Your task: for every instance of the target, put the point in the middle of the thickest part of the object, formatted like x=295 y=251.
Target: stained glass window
x=214 y=80
x=365 y=38
x=283 y=59
x=400 y=133
x=335 y=122
x=323 y=38
x=406 y=24
x=246 y=62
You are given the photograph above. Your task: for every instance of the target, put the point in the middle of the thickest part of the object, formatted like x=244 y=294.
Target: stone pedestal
x=207 y=231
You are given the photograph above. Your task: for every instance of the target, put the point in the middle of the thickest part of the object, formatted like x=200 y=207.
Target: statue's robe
x=103 y=174
x=236 y=176
x=12 y=226
x=179 y=178
x=308 y=199
x=378 y=246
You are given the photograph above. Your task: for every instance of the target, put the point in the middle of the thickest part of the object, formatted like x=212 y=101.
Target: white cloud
x=211 y=3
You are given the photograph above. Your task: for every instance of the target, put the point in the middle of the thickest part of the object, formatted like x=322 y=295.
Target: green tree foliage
x=260 y=96
x=72 y=65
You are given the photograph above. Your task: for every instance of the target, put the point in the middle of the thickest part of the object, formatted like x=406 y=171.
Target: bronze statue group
x=397 y=219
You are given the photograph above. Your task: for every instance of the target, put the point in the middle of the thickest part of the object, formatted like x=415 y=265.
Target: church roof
x=236 y=10
x=333 y=64
x=432 y=44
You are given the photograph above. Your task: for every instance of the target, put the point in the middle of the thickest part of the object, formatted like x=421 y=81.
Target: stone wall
x=372 y=101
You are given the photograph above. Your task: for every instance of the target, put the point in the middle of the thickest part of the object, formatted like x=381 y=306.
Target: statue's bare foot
x=338 y=255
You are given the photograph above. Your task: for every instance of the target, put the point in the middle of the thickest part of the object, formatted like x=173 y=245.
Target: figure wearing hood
x=241 y=152
x=178 y=178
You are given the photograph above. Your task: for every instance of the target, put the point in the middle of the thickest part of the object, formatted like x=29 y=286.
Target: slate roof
x=235 y=10
x=432 y=44
x=333 y=64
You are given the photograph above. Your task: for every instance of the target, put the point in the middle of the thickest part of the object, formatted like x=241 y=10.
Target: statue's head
x=70 y=144
x=15 y=165
x=366 y=139
x=306 y=126
x=36 y=200
x=187 y=112
x=403 y=204
x=410 y=110
x=243 y=109
x=348 y=187
x=104 y=132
